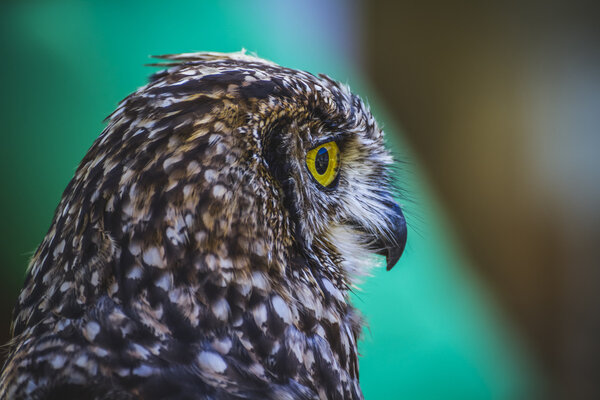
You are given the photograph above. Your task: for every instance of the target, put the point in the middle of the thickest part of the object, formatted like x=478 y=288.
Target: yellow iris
x=323 y=162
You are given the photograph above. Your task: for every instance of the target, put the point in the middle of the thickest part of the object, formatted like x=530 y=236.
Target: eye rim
x=329 y=179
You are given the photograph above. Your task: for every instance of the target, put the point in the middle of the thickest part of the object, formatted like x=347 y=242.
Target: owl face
x=332 y=165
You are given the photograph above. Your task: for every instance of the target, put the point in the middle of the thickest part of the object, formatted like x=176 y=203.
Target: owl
x=209 y=241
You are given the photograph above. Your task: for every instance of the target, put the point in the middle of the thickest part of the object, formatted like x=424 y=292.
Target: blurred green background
x=472 y=311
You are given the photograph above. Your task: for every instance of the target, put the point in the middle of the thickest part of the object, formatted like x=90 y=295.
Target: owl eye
x=323 y=162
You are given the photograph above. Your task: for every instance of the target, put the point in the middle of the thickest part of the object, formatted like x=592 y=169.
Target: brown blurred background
x=502 y=104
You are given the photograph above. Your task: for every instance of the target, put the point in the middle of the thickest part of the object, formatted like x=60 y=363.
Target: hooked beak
x=391 y=245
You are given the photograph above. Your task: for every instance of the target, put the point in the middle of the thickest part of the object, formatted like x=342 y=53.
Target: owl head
x=318 y=149
x=297 y=163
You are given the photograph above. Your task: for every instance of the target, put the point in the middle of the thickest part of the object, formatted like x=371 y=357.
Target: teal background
x=434 y=331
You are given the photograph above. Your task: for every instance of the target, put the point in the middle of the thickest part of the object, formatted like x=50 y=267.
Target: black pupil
x=322 y=160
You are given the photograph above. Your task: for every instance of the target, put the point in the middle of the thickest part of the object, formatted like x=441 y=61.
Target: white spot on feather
x=210 y=175
x=221 y=309
x=91 y=330
x=143 y=370
x=259 y=280
x=153 y=257
x=170 y=161
x=281 y=309
x=335 y=292
x=81 y=361
x=94 y=280
x=66 y=286
x=175 y=236
x=219 y=191
x=135 y=272
x=222 y=346
x=58 y=361
x=257 y=370
x=164 y=282
x=260 y=314
x=59 y=248
x=187 y=190
x=193 y=168
x=211 y=362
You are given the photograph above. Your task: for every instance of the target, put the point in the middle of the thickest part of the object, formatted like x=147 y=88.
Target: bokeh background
x=492 y=107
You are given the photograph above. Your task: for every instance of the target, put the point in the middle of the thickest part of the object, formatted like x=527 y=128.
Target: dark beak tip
x=391 y=261
x=391 y=244
x=394 y=251
x=394 y=254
